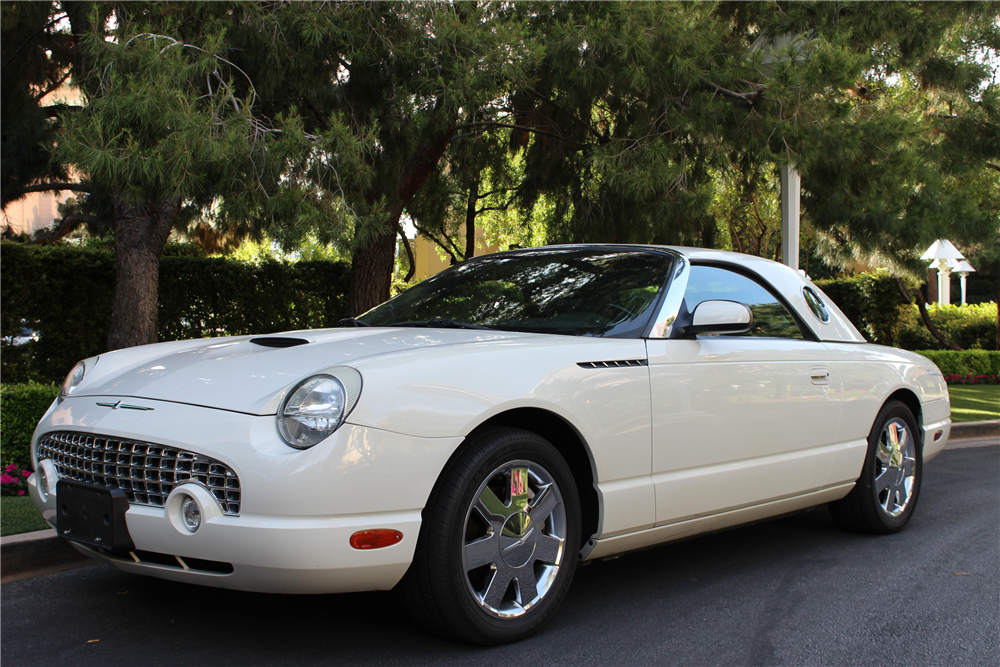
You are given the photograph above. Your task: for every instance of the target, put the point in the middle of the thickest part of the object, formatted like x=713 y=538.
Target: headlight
x=313 y=410
x=74 y=378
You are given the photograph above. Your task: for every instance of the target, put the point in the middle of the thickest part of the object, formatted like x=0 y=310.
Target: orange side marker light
x=375 y=539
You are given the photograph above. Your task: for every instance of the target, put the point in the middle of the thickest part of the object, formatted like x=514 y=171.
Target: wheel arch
x=565 y=438
x=910 y=400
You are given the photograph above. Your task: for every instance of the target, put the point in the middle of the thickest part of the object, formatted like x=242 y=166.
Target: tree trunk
x=371 y=270
x=916 y=295
x=141 y=230
x=470 y=220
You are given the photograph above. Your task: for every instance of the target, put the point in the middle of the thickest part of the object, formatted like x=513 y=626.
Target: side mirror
x=719 y=317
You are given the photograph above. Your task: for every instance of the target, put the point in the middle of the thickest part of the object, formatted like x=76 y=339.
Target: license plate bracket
x=93 y=515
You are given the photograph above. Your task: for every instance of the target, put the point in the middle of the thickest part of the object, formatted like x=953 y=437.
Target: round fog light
x=43 y=484
x=46 y=477
x=190 y=513
x=191 y=506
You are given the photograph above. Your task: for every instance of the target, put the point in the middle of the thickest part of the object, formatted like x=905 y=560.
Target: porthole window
x=816 y=304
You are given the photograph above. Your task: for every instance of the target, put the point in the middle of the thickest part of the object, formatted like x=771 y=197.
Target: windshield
x=573 y=291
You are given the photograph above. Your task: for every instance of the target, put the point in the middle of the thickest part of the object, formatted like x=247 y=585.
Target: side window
x=770 y=317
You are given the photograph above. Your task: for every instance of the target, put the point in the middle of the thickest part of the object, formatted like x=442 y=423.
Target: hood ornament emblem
x=120 y=405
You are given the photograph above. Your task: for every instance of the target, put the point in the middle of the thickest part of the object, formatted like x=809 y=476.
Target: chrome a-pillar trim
x=671 y=306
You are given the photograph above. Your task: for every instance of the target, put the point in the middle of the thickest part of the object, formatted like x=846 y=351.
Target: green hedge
x=871 y=301
x=968 y=362
x=21 y=406
x=972 y=327
x=66 y=295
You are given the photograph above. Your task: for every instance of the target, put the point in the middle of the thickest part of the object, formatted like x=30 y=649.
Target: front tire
x=499 y=540
x=885 y=495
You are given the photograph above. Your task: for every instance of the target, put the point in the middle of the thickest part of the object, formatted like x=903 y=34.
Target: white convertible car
x=473 y=439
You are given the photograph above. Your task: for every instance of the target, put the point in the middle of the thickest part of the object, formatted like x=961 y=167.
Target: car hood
x=244 y=376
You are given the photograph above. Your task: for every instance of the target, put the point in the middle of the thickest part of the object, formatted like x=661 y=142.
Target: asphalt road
x=795 y=591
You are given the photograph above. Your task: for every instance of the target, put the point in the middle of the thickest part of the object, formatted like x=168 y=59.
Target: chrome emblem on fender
x=119 y=405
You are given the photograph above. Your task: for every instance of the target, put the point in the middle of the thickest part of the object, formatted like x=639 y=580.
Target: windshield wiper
x=352 y=322
x=439 y=324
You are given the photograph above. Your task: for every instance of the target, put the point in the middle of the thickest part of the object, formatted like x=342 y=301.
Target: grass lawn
x=18 y=515
x=975 y=402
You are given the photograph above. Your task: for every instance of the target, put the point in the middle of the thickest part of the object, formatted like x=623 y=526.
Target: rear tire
x=499 y=540
x=885 y=495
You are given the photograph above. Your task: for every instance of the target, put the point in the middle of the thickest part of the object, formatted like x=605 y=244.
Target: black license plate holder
x=93 y=515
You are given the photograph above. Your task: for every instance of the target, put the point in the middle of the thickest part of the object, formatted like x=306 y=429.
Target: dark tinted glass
x=576 y=292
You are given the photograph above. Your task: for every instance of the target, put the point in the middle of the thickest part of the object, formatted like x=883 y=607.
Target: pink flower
x=20 y=493
x=7 y=479
x=25 y=473
x=10 y=467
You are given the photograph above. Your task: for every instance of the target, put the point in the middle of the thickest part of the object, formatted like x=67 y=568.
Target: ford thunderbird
x=473 y=439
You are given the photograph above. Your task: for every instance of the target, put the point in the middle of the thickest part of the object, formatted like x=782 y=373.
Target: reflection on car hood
x=243 y=376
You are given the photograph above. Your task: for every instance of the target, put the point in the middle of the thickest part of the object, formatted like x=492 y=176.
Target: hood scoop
x=278 y=341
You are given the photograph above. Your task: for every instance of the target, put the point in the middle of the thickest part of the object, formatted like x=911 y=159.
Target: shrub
x=199 y=297
x=21 y=406
x=972 y=379
x=14 y=480
x=871 y=301
x=72 y=318
x=972 y=327
x=969 y=362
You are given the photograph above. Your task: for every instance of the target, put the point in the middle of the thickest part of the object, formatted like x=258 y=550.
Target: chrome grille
x=144 y=471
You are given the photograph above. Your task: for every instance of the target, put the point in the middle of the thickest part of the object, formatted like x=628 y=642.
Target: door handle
x=819 y=375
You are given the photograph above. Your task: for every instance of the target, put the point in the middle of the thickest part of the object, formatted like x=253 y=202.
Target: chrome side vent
x=619 y=363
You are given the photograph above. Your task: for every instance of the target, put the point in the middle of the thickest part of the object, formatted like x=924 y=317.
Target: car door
x=744 y=419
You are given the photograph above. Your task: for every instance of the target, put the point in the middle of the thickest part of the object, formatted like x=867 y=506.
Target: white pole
x=962 y=278
x=791 y=193
x=944 y=286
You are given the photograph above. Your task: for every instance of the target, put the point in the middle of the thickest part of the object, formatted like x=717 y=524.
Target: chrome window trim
x=671 y=306
x=816 y=304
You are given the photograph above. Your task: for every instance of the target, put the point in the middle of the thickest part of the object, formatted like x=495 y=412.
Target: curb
x=969 y=430
x=37 y=553
x=43 y=552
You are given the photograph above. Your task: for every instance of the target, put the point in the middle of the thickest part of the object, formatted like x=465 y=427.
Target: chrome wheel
x=895 y=467
x=885 y=495
x=515 y=539
x=499 y=541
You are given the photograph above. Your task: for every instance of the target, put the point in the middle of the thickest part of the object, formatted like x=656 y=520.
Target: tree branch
x=68 y=225
x=586 y=125
x=915 y=295
x=441 y=244
x=427 y=155
x=54 y=86
x=492 y=208
x=56 y=187
x=489 y=124
x=745 y=98
x=38 y=32
x=409 y=253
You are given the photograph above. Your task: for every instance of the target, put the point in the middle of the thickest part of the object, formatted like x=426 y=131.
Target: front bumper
x=935 y=438
x=299 y=508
